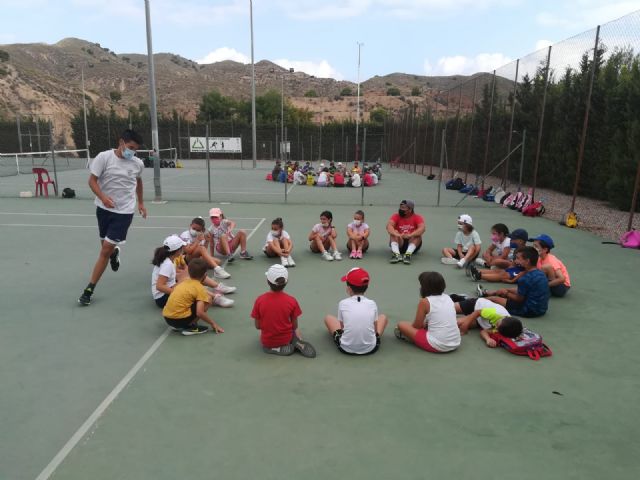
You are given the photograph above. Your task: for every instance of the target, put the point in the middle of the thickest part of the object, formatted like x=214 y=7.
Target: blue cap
x=519 y=234
x=544 y=238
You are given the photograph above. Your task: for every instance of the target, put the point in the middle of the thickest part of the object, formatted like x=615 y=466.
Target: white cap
x=173 y=243
x=275 y=272
x=464 y=218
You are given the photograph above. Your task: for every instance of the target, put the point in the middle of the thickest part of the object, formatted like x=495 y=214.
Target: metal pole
x=208 y=162
x=442 y=147
x=153 y=107
x=282 y=121
x=634 y=198
x=488 y=141
x=19 y=132
x=585 y=125
x=505 y=176
x=470 y=142
x=522 y=145
x=364 y=159
x=541 y=127
x=454 y=160
x=364 y=145
x=179 y=139
x=253 y=92
x=84 y=114
x=320 y=145
x=53 y=157
x=38 y=134
x=358 y=105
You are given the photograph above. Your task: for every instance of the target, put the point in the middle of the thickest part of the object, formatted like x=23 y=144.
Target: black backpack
x=68 y=193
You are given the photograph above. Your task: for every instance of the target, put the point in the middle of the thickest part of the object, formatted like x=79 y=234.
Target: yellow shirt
x=184 y=295
x=179 y=262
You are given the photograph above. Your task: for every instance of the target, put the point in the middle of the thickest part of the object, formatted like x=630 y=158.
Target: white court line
x=34 y=214
x=290 y=188
x=133 y=227
x=104 y=405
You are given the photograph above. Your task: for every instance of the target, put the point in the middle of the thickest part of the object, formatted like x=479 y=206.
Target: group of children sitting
x=334 y=175
x=180 y=281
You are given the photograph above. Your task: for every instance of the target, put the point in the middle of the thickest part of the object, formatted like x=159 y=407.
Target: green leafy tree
x=393 y=92
x=311 y=94
x=416 y=92
x=346 y=92
x=115 y=96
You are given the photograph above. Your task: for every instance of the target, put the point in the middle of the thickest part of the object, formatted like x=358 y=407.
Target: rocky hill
x=41 y=79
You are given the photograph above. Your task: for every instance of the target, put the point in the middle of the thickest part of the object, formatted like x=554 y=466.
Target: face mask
x=539 y=250
x=127 y=153
x=275 y=233
x=402 y=213
x=357 y=223
x=495 y=238
x=216 y=221
x=325 y=224
x=194 y=233
x=459 y=227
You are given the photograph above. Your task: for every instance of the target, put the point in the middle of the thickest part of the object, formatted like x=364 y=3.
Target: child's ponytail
x=160 y=254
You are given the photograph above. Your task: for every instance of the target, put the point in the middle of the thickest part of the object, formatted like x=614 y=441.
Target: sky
x=320 y=37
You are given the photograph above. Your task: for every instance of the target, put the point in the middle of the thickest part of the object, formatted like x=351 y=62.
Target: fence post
x=585 y=125
x=454 y=160
x=469 y=143
x=634 y=198
x=505 y=176
x=541 y=127
x=488 y=141
x=208 y=162
x=53 y=157
x=442 y=149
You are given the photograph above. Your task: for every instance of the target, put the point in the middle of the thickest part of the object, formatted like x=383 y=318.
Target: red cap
x=358 y=277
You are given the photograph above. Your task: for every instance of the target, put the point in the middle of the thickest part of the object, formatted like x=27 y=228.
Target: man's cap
x=275 y=272
x=408 y=203
x=173 y=243
x=358 y=277
x=215 y=212
x=519 y=234
x=464 y=218
x=544 y=238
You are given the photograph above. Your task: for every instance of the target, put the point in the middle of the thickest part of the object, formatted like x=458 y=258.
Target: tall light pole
x=254 y=140
x=283 y=145
x=360 y=44
x=154 y=110
x=84 y=113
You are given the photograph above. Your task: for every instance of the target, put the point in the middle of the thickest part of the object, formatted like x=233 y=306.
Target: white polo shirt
x=166 y=269
x=358 y=314
x=117 y=178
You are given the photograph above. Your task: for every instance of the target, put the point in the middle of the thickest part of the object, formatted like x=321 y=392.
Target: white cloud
x=314 y=10
x=321 y=69
x=542 y=44
x=224 y=53
x=462 y=65
x=582 y=14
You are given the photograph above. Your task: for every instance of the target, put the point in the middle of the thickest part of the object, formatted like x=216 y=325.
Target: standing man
x=116 y=181
x=405 y=229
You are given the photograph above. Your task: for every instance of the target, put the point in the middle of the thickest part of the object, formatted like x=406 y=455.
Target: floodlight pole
x=154 y=110
x=360 y=44
x=282 y=155
x=84 y=113
x=253 y=92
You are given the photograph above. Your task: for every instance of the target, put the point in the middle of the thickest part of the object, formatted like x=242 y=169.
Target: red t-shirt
x=338 y=179
x=368 y=179
x=275 y=312
x=407 y=224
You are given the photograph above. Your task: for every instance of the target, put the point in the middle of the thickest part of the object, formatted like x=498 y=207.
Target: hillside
x=41 y=79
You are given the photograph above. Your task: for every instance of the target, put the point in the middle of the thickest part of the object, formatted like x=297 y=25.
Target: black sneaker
x=406 y=259
x=114 y=259
x=475 y=273
x=197 y=330
x=396 y=258
x=283 y=351
x=305 y=348
x=85 y=298
x=457 y=298
x=399 y=335
x=482 y=292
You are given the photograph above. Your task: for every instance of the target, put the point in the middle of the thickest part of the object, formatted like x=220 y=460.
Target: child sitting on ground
x=531 y=297
x=197 y=241
x=434 y=328
x=467 y=241
x=358 y=327
x=323 y=238
x=553 y=268
x=512 y=272
x=497 y=255
x=189 y=303
x=358 y=234
x=276 y=316
x=279 y=244
x=490 y=317
x=224 y=240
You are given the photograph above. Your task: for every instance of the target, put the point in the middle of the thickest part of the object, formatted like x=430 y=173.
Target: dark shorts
x=513 y=271
x=517 y=309
x=405 y=245
x=468 y=306
x=559 y=290
x=337 y=335
x=183 y=322
x=113 y=227
x=162 y=301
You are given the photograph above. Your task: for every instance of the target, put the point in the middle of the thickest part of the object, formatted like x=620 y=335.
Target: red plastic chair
x=43 y=181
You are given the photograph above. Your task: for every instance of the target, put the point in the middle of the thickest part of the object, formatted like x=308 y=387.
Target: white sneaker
x=284 y=261
x=223 y=301
x=291 y=262
x=481 y=262
x=224 y=289
x=327 y=256
x=448 y=260
x=461 y=263
x=220 y=272
x=337 y=255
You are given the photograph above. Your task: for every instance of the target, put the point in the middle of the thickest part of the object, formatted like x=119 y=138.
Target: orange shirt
x=556 y=264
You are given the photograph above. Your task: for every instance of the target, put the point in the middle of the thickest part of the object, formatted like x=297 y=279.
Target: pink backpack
x=630 y=239
x=527 y=344
x=534 y=210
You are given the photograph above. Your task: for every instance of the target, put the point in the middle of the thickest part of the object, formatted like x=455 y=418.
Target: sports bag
x=570 y=220
x=510 y=200
x=534 y=210
x=68 y=193
x=524 y=202
x=467 y=188
x=500 y=197
x=630 y=239
x=527 y=344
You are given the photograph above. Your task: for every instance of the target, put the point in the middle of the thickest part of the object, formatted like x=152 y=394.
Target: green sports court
x=107 y=392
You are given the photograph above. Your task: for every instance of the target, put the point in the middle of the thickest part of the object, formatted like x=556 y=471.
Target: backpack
x=500 y=196
x=467 y=188
x=510 y=200
x=473 y=191
x=454 y=184
x=570 y=220
x=524 y=202
x=534 y=210
x=282 y=177
x=431 y=176
x=68 y=193
x=630 y=239
x=528 y=343
x=269 y=177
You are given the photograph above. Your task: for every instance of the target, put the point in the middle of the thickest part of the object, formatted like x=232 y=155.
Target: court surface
x=105 y=392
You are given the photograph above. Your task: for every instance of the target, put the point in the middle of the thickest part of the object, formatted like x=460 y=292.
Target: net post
x=541 y=125
x=53 y=158
x=442 y=147
x=208 y=163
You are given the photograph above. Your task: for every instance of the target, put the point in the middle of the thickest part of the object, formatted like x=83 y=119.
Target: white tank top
x=442 y=329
